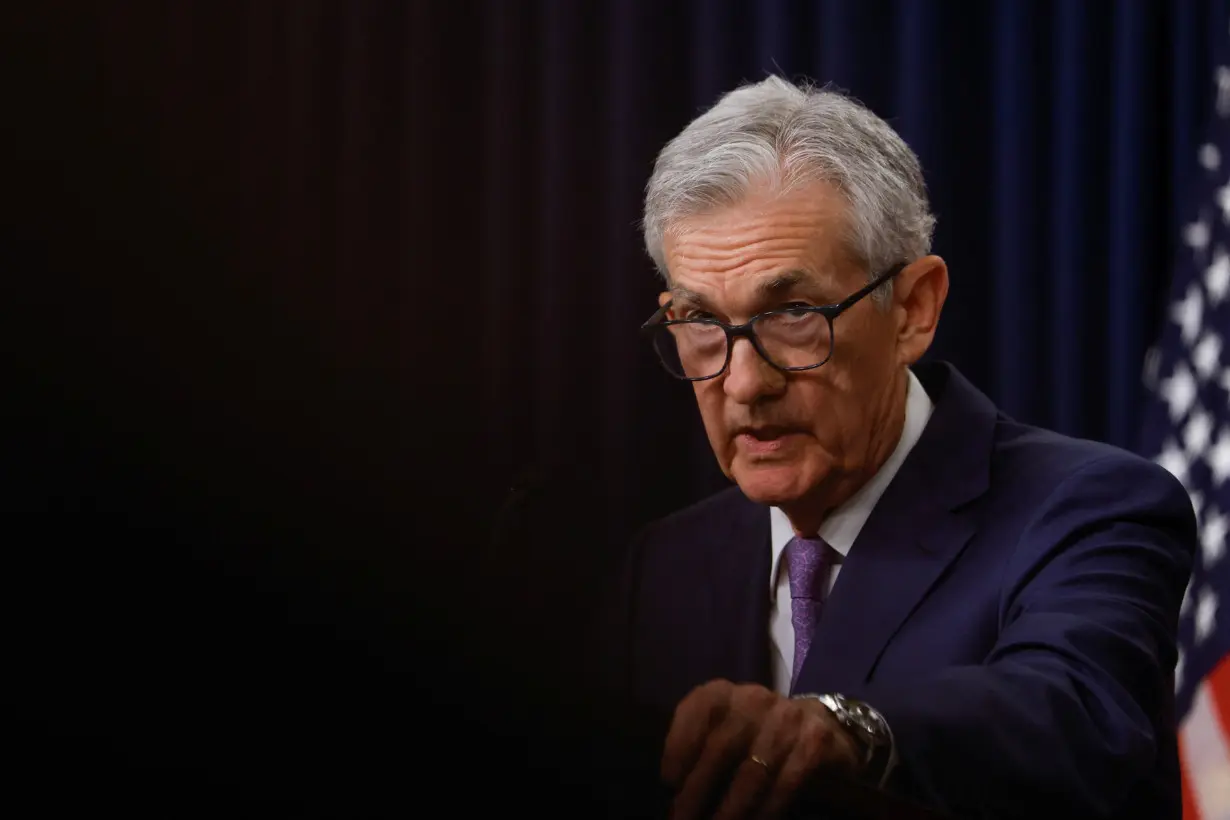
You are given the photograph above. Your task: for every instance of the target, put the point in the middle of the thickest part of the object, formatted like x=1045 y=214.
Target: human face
x=798 y=438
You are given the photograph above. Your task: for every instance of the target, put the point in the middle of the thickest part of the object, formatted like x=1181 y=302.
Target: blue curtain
x=1055 y=137
x=439 y=201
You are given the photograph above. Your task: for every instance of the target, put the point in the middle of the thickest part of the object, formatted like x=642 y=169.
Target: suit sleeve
x=1074 y=704
x=625 y=739
x=610 y=651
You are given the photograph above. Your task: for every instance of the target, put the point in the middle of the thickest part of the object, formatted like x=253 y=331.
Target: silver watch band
x=869 y=726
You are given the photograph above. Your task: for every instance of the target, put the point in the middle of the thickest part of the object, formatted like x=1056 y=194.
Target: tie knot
x=809 y=560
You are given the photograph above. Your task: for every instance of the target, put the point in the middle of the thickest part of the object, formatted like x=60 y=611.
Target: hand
x=717 y=729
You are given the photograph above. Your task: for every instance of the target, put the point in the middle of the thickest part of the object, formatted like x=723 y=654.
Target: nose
x=749 y=377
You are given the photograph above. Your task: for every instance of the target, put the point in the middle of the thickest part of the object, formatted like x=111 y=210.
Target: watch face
x=864 y=719
x=858 y=716
x=854 y=715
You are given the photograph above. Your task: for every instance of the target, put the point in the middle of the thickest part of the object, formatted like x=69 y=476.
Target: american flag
x=1187 y=430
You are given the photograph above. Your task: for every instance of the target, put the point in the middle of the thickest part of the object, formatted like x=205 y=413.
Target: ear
x=664 y=297
x=919 y=292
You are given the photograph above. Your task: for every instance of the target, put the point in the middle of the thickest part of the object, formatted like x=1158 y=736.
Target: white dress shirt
x=839 y=529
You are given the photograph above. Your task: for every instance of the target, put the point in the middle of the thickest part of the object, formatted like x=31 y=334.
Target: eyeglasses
x=790 y=339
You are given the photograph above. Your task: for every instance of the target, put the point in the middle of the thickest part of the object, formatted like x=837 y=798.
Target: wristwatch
x=869 y=731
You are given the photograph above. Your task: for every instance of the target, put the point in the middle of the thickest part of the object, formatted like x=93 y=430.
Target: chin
x=771 y=483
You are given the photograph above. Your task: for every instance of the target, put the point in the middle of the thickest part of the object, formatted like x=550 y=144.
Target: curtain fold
x=1066 y=220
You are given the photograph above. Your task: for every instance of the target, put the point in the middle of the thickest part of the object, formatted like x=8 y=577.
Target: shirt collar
x=842 y=526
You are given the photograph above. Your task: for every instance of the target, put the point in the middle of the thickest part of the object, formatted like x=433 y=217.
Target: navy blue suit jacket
x=1010 y=607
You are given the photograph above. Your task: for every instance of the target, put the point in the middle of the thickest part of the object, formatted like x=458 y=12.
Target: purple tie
x=810 y=560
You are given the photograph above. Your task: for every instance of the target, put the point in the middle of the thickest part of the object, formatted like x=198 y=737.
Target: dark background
x=295 y=291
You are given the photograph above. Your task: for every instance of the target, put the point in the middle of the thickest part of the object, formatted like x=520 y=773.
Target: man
x=905 y=586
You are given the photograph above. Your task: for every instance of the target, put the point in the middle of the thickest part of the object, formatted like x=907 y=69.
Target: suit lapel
x=739 y=611
x=918 y=527
x=888 y=573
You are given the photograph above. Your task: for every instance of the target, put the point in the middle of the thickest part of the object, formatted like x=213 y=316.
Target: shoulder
x=716 y=513
x=717 y=524
x=1045 y=466
x=683 y=549
x=1014 y=474
x=1088 y=507
x=971 y=442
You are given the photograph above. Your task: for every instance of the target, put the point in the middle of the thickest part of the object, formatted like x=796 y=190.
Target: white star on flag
x=1197 y=432
x=1223 y=202
x=1206 y=356
x=1222 y=79
x=1179 y=391
x=1196 y=234
x=1217 y=276
x=1213 y=533
x=1210 y=157
x=1188 y=314
x=1219 y=457
x=1174 y=461
x=1206 y=614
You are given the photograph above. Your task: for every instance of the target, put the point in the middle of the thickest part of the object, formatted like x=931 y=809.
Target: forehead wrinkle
x=709 y=252
x=734 y=225
x=768 y=286
x=721 y=250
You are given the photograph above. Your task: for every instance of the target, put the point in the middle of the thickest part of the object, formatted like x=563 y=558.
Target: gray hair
x=785 y=135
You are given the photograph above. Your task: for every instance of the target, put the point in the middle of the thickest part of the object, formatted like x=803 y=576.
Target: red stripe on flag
x=1217 y=692
x=1218 y=683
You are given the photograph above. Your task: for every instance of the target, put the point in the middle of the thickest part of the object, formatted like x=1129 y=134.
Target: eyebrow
x=682 y=294
x=781 y=283
x=774 y=286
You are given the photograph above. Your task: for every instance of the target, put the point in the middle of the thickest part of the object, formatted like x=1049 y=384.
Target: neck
x=808 y=513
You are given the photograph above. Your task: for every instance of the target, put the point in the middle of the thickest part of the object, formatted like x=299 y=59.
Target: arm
x=624 y=737
x=1067 y=708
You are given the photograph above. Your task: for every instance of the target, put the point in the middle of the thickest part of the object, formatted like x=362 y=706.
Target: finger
x=703 y=708
x=748 y=789
x=814 y=744
x=725 y=747
x=756 y=775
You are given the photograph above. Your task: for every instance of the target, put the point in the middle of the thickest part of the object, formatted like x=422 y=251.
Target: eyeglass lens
x=789 y=339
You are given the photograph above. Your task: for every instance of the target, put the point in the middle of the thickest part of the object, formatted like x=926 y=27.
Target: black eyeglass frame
x=745 y=330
